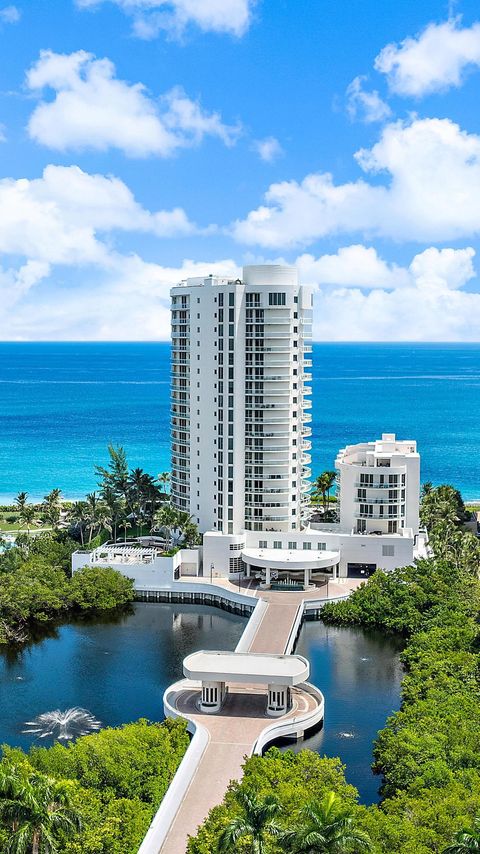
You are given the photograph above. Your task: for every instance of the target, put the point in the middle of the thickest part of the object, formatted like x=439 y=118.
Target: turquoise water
x=62 y=403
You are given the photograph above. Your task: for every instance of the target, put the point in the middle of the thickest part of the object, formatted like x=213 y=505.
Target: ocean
x=61 y=404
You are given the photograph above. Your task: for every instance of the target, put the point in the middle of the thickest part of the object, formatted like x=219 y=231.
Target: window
x=277 y=299
x=322 y=547
x=277 y=544
x=231 y=299
x=307 y=546
x=388 y=551
x=262 y=544
x=292 y=545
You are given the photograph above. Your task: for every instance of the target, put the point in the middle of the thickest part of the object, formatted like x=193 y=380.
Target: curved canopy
x=246 y=667
x=291 y=559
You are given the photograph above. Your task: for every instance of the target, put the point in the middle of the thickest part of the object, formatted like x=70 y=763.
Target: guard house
x=215 y=669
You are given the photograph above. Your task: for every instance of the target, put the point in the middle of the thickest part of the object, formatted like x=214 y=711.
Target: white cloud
x=364 y=105
x=60 y=218
x=10 y=15
x=152 y=16
x=131 y=302
x=432 y=192
x=268 y=149
x=352 y=266
x=429 y=307
x=93 y=109
x=433 y=61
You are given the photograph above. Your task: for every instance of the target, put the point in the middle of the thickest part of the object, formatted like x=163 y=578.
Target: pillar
x=306 y=577
x=213 y=696
x=278 y=700
x=267 y=576
x=247 y=570
x=334 y=573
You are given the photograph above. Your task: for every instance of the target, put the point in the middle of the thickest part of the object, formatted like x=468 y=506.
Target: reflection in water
x=117 y=668
x=359 y=674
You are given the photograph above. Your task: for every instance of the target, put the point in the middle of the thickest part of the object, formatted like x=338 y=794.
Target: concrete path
x=232 y=734
x=234 y=731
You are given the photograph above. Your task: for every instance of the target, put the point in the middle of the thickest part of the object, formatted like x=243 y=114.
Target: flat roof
x=291 y=558
x=218 y=666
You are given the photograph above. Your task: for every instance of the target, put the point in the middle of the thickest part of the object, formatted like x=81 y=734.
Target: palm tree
x=26 y=516
x=323 y=484
x=21 y=500
x=98 y=515
x=166 y=519
x=116 y=507
x=465 y=840
x=79 y=517
x=257 y=821
x=116 y=475
x=326 y=827
x=52 y=507
x=164 y=479
x=37 y=809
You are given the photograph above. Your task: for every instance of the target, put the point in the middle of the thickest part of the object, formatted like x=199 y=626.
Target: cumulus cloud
x=432 y=192
x=150 y=17
x=427 y=303
x=352 y=266
x=10 y=15
x=60 y=218
x=433 y=61
x=131 y=302
x=268 y=149
x=93 y=109
x=364 y=105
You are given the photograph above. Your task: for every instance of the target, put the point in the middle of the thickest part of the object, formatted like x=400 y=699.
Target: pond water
x=359 y=674
x=118 y=670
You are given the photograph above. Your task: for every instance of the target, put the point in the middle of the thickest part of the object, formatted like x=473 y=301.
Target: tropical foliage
x=96 y=796
x=35 y=586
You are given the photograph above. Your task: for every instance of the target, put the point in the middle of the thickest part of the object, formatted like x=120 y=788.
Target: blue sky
x=147 y=140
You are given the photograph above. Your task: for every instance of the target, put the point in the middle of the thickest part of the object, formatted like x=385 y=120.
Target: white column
x=213 y=695
x=267 y=576
x=248 y=570
x=306 y=576
x=277 y=700
x=334 y=572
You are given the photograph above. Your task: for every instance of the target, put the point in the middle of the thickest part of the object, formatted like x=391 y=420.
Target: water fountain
x=62 y=725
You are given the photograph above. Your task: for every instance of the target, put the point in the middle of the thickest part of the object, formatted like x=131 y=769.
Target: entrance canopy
x=255 y=668
x=291 y=559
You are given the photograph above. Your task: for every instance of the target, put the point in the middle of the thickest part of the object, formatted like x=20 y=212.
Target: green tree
x=100 y=589
x=465 y=840
x=115 y=475
x=52 y=507
x=38 y=810
x=78 y=516
x=27 y=516
x=166 y=520
x=164 y=481
x=256 y=822
x=326 y=827
x=323 y=485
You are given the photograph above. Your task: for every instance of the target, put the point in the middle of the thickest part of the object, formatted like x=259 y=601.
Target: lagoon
x=118 y=670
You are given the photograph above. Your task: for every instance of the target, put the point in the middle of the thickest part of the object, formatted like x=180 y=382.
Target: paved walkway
x=232 y=734
x=234 y=731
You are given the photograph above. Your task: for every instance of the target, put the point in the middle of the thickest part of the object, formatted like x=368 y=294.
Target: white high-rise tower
x=240 y=400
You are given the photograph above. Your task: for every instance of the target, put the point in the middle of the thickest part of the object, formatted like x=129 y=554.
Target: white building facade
x=241 y=356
